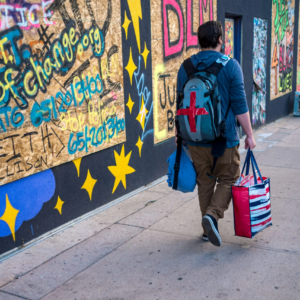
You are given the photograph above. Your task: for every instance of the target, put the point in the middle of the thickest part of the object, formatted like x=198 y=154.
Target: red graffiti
x=281 y=59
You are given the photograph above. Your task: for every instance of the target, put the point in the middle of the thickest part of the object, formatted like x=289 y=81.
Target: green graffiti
x=282 y=18
x=285 y=82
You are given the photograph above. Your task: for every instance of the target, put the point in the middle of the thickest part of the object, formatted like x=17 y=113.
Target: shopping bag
x=251 y=201
x=187 y=177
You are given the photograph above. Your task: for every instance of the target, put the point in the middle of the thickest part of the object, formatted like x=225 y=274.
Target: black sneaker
x=211 y=226
x=205 y=238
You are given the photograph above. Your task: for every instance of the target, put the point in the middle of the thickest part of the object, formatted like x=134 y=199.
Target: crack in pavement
x=15 y=295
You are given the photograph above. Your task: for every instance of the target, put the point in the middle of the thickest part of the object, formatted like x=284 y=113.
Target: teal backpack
x=199 y=115
x=199 y=112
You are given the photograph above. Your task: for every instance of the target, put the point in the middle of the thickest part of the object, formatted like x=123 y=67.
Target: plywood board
x=282 y=45
x=259 y=91
x=174 y=27
x=61 y=83
x=298 y=61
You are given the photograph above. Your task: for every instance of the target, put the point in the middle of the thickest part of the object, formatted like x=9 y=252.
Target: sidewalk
x=149 y=246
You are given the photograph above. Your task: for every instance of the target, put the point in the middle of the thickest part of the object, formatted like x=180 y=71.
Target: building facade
x=88 y=93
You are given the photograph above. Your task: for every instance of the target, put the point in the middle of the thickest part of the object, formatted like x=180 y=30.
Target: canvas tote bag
x=251 y=201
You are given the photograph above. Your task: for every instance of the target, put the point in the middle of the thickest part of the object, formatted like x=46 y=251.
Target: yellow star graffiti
x=121 y=169
x=139 y=144
x=10 y=216
x=145 y=55
x=142 y=114
x=126 y=24
x=59 y=204
x=89 y=184
x=77 y=163
x=129 y=104
x=136 y=14
x=131 y=67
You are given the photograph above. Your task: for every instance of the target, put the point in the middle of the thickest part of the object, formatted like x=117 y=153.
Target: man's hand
x=244 y=120
x=250 y=143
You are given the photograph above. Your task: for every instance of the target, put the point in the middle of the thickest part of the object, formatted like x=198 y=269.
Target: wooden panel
x=174 y=27
x=61 y=84
x=282 y=45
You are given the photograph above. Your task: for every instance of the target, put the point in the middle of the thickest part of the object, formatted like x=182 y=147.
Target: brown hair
x=209 y=34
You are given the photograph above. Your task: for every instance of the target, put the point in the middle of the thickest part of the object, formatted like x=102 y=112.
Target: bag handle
x=250 y=159
x=246 y=164
x=254 y=164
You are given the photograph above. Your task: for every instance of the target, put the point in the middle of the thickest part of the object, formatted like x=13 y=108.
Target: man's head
x=210 y=35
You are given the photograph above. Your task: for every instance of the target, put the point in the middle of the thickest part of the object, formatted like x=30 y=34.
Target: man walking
x=230 y=82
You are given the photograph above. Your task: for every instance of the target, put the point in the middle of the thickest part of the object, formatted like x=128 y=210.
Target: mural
x=298 y=62
x=63 y=97
x=229 y=37
x=282 y=43
x=61 y=83
x=259 y=71
x=22 y=200
x=71 y=73
x=174 y=25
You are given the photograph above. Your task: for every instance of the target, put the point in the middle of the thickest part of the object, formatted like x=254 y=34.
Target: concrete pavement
x=149 y=246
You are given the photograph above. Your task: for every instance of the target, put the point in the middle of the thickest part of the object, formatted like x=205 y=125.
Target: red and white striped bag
x=251 y=201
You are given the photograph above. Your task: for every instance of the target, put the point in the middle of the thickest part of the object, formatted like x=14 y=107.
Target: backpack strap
x=190 y=70
x=219 y=146
x=211 y=176
x=215 y=68
x=189 y=67
x=177 y=163
x=218 y=149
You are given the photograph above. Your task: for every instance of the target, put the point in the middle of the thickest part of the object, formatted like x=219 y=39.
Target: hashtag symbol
x=44 y=37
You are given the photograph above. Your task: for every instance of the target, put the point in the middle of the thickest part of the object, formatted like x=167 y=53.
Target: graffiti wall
x=259 y=92
x=298 y=61
x=61 y=83
x=70 y=73
x=229 y=37
x=87 y=97
x=282 y=44
x=174 y=25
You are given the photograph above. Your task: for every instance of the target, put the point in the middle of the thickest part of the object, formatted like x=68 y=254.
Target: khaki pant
x=227 y=170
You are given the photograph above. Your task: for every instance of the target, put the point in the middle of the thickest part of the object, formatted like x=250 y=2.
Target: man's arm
x=239 y=103
x=244 y=120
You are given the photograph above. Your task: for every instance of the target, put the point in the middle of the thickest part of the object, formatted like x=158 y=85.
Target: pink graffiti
x=281 y=59
x=289 y=57
x=211 y=9
x=191 y=39
x=170 y=50
x=114 y=96
x=28 y=16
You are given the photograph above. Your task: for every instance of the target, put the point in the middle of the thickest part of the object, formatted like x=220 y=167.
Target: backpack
x=199 y=113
